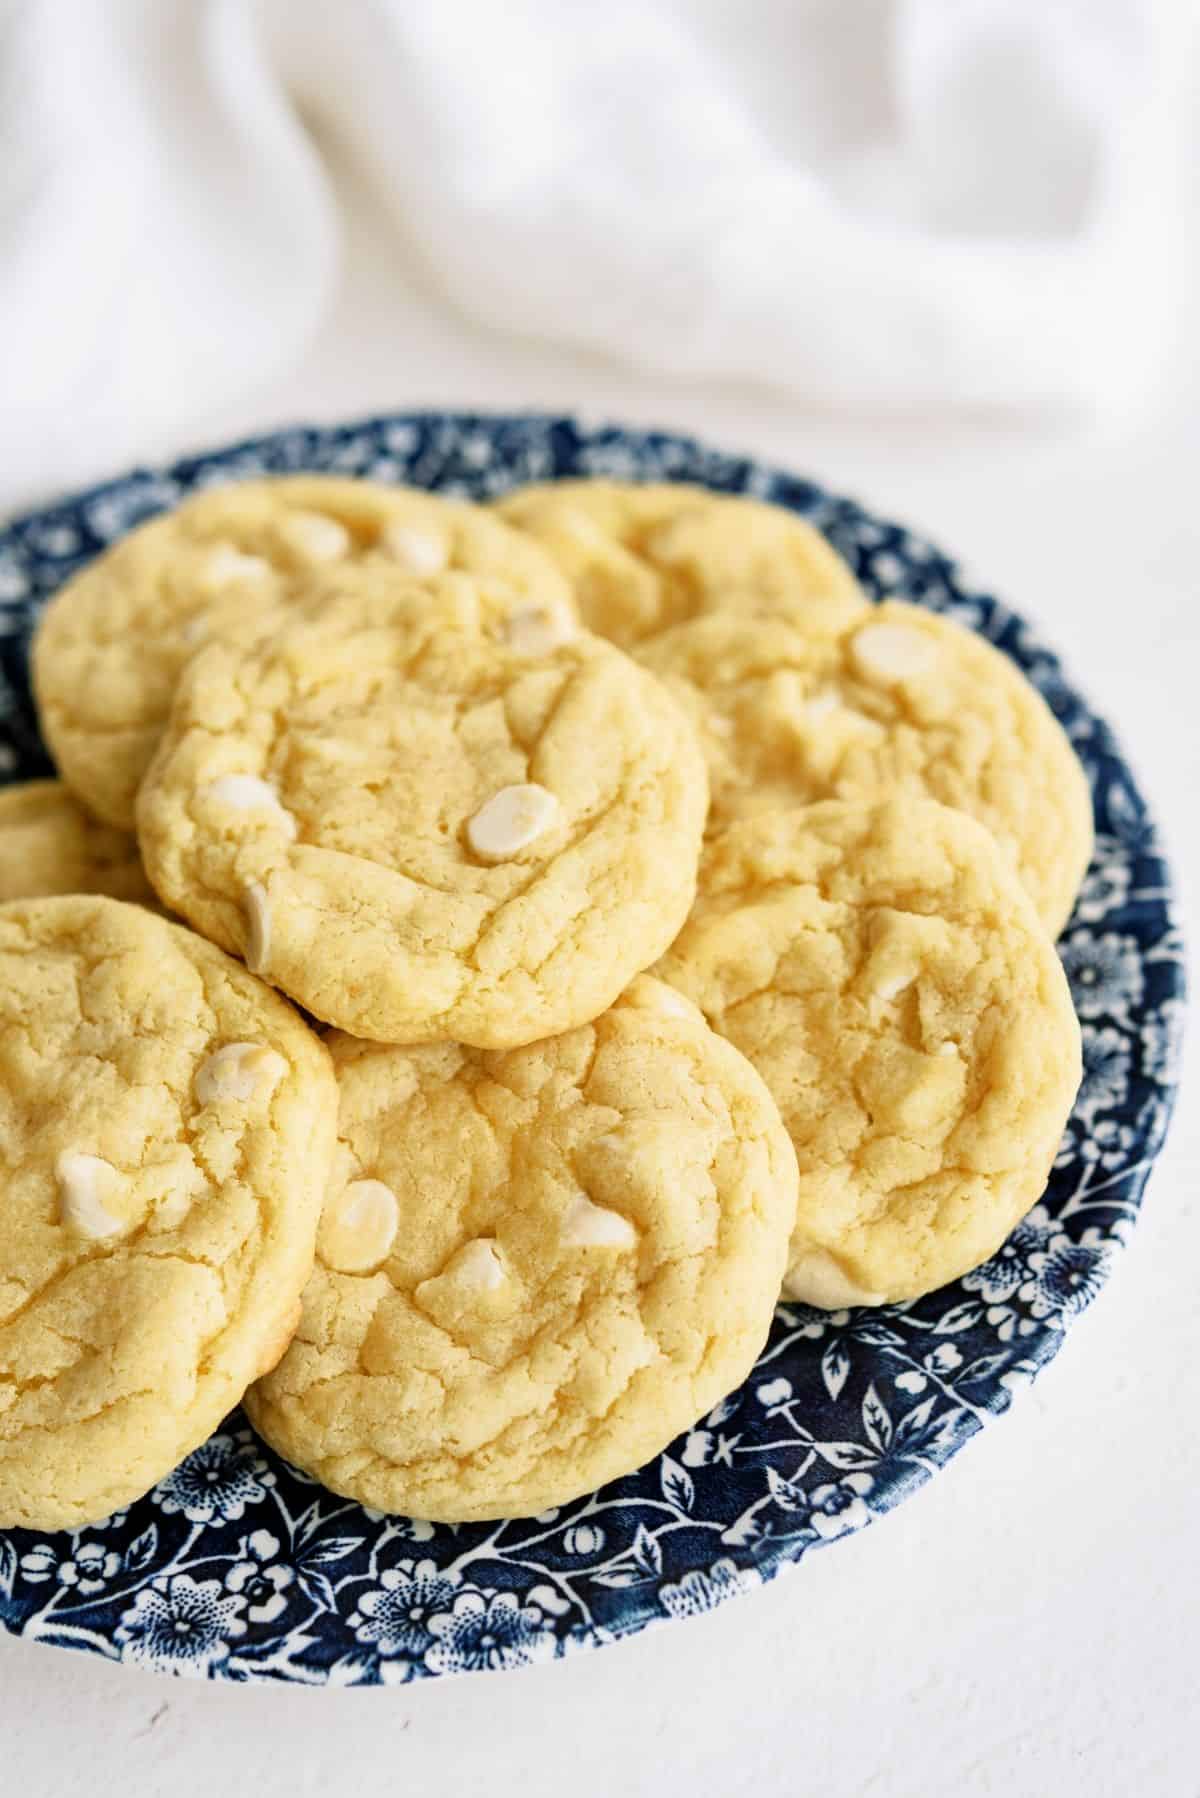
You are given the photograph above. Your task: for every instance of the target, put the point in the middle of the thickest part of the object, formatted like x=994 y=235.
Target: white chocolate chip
x=238 y=1071
x=358 y=1227
x=314 y=536
x=510 y=820
x=947 y=1048
x=828 y=708
x=673 y=1003
x=247 y=793
x=892 y=652
x=650 y=994
x=479 y=1264
x=226 y=566
x=417 y=552
x=536 y=630
x=258 y=927
x=815 y=1278
x=590 y=1226
x=85 y=1183
x=893 y=985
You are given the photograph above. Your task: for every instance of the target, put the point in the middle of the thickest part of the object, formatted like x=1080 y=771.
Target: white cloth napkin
x=882 y=205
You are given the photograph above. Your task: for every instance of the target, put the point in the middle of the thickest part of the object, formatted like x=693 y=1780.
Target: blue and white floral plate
x=237 y=1567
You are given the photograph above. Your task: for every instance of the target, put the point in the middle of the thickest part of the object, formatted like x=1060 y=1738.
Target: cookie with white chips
x=894 y=699
x=168 y=1129
x=114 y=641
x=887 y=975
x=534 y=1268
x=426 y=817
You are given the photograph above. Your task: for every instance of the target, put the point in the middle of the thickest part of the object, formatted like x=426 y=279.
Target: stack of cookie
x=474 y=959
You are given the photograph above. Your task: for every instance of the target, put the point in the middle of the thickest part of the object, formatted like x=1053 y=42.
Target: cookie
x=49 y=844
x=114 y=641
x=168 y=1126
x=535 y=1268
x=423 y=820
x=642 y=558
x=886 y=973
x=898 y=699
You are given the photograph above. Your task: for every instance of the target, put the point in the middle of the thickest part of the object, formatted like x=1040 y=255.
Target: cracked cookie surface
x=113 y=643
x=896 y=700
x=534 y=1268
x=50 y=844
x=167 y=1127
x=886 y=974
x=423 y=829
x=643 y=557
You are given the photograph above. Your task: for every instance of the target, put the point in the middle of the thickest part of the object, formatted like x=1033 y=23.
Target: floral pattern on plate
x=238 y=1567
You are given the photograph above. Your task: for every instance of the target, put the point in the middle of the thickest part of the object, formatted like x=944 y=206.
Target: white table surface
x=1029 y=1623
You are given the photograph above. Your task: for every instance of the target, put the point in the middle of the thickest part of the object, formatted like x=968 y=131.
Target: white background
x=1030 y=1622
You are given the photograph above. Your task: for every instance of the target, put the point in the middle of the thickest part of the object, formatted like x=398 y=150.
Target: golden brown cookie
x=423 y=821
x=534 y=1268
x=112 y=644
x=896 y=700
x=50 y=844
x=643 y=557
x=886 y=973
x=168 y=1128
